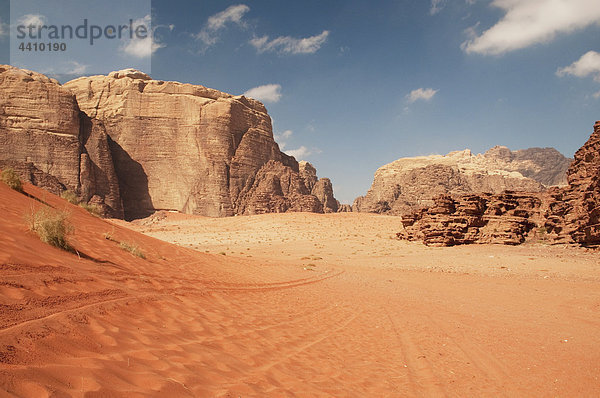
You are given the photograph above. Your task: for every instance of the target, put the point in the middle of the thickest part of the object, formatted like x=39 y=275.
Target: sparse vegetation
x=11 y=178
x=70 y=197
x=542 y=233
x=222 y=253
x=109 y=236
x=92 y=209
x=51 y=226
x=132 y=248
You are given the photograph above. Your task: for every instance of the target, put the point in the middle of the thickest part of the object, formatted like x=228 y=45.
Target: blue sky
x=352 y=85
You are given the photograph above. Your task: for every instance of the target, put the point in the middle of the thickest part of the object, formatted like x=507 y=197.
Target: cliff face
x=133 y=145
x=178 y=146
x=408 y=184
x=39 y=124
x=568 y=214
x=51 y=143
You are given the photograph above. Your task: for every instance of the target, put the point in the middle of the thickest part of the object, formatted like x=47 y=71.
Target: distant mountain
x=411 y=183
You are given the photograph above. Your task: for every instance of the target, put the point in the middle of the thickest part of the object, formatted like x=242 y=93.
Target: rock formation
x=133 y=145
x=276 y=189
x=568 y=214
x=321 y=188
x=344 y=208
x=574 y=212
x=50 y=142
x=502 y=218
x=308 y=174
x=408 y=184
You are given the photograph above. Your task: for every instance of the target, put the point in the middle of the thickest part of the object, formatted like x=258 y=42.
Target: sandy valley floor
x=400 y=318
x=288 y=305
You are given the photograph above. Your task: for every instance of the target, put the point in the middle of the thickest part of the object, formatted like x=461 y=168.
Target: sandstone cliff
x=50 y=142
x=133 y=145
x=187 y=147
x=408 y=184
x=568 y=214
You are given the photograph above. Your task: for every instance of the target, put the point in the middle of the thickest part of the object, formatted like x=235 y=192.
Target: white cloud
x=142 y=47
x=425 y=94
x=32 y=19
x=266 y=93
x=233 y=14
x=290 y=45
x=76 y=68
x=299 y=153
x=471 y=31
x=286 y=134
x=529 y=22
x=588 y=64
x=436 y=6
x=282 y=138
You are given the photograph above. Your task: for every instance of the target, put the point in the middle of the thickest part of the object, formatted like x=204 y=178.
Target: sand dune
x=288 y=305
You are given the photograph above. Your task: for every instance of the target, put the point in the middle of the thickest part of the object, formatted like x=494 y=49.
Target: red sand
x=185 y=323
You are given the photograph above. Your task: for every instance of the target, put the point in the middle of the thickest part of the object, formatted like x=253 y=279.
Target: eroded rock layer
x=568 y=214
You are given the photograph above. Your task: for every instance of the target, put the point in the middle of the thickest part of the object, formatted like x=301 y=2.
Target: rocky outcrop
x=277 y=188
x=505 y=218
x=568 y=214
x=408 y=184
x=344 y=208
x=308 y=174
x=47 y=139
x=323 y=190
x=319 y=187
x=573 y=214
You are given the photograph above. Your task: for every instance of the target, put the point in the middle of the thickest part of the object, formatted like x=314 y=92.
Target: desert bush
x=132 y=248
x=92 y=209
x=70 y=197
x=51 y=226
x=11 y=178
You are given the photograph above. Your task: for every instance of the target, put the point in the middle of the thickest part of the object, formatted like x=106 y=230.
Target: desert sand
x=291 y=304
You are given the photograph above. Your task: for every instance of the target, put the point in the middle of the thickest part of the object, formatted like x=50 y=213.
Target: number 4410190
x=42 y=46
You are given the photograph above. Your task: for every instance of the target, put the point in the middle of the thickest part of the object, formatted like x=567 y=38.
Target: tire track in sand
x=424 y=382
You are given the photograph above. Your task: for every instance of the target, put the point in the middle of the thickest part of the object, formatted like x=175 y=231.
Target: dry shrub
x=94 y=210
x=132 y=248
x=52 y=226
x=70 y=197
x=11 y=178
